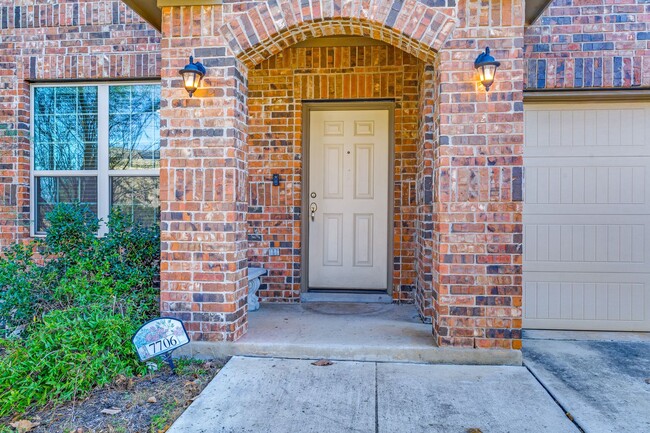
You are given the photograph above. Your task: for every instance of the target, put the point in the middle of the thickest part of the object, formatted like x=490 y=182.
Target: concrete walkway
x=602 y=379
x=286 y=396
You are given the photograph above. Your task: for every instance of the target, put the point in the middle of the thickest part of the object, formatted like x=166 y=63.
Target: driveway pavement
x=601 y=379
x=286 y=396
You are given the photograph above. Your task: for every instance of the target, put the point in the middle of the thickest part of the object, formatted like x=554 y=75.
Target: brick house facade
x=45 y=42
x=458 y=173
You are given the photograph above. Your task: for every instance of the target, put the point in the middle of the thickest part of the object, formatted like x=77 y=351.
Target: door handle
x=313 y=208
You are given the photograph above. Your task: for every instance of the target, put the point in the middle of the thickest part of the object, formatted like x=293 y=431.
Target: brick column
x=203 y=179
x=427 y=135
x=478 y=170
x=14 y=149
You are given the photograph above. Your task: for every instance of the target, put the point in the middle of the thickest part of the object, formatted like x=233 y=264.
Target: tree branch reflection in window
x=134 y=127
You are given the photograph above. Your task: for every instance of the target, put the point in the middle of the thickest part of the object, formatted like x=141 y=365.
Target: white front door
x=348 y=190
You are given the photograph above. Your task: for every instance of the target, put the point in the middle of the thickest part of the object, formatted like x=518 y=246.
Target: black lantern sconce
x=192 y=74
x=487 y=68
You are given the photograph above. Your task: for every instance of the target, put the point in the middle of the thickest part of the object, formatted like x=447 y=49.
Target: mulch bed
x=146 y=404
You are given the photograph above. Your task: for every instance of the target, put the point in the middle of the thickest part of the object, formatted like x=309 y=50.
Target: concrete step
x=385 y=353
x=346 y=331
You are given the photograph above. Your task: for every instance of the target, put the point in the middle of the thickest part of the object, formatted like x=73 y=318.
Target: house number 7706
x=165 y=343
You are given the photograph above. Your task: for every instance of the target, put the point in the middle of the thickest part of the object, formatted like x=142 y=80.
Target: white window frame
x=103 y=174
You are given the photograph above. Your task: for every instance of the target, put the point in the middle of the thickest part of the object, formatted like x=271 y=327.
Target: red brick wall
x=589 y=44
x=277 y=88
x=203 y=180
x=478 y=181
x=472 y=142
x=459 y=163
x=428 y=133
x=476 y=146
x=82 y=40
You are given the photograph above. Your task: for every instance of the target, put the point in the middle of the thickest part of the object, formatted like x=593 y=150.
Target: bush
x=25 y=287
x=65 y=356
x=69 y=305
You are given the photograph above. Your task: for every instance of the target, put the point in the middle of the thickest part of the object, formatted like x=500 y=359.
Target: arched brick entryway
x=412 y=277
x=359 y=72
x=469 y=229
x=427 y=32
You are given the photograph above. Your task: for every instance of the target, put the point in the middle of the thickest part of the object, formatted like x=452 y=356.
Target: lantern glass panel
x=487 y=73
x=191 y=81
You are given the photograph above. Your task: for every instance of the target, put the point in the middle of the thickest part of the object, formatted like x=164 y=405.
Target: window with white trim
x=99 y=145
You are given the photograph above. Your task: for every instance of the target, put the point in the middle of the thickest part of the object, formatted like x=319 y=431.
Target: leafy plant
x=73 y=267
x=25 y=287
x=69 y=304
x=65 y=356
x=71 y=230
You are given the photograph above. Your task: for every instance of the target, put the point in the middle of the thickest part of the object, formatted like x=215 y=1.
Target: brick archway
x=416 y=29
x=469 y=190
x=269 y=28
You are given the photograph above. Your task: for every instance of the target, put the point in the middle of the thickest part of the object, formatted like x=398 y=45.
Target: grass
x=163 y=420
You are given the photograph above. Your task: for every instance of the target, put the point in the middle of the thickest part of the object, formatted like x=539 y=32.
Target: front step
x=346 y=331
x=421 y=355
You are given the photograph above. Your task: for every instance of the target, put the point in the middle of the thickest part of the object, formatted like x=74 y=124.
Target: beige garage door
x=587 y=216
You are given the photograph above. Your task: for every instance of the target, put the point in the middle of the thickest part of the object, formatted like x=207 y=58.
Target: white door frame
x=307 y=108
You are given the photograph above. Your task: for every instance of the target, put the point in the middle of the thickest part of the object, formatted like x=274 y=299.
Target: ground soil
x=147 y=404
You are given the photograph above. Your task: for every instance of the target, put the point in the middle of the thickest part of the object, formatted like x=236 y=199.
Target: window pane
x=134 y=127
x=65 y=128
x=137 y=197
x=53 y=190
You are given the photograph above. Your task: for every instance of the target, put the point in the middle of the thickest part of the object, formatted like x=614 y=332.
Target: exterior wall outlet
x=274 y=251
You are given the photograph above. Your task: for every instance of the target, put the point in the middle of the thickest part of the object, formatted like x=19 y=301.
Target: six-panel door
x=348 y=199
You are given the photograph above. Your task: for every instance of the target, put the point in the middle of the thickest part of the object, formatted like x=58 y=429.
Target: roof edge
x=148 y=10
x=534 y=9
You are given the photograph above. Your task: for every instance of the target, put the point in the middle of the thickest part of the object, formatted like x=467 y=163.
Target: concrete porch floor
x=345 y=331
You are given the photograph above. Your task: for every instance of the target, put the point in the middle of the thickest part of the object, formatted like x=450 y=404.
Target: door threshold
x=374 y=296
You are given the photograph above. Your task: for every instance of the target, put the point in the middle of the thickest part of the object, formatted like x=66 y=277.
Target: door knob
x=313 y=208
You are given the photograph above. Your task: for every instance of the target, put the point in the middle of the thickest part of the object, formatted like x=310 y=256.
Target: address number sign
x=158 y=337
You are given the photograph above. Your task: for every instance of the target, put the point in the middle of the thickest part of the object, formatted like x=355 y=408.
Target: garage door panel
x=587 y=243
x=587 y=302
x=587 y=216
x=586 y=128
x=590 y=151
x=601 y=183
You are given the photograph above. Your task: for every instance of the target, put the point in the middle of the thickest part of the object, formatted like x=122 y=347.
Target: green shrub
x=71 y=231
x=132 y=251
x=65 y=356
x=25 y=287
x=74 y=267
x=69 y=304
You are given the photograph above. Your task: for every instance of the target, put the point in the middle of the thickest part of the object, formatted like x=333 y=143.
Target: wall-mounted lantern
x=487 y=68
x=192 y=74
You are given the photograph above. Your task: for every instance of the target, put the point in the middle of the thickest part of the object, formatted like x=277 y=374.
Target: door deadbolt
x=312 y=195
